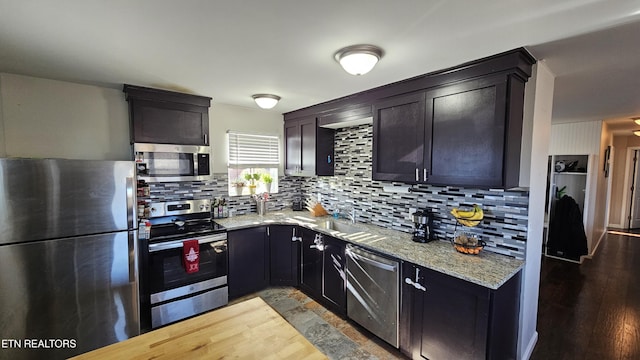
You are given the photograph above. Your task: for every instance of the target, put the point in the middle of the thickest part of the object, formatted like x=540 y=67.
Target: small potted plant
x=252 y=178
x=238 y=185
x=267 y=180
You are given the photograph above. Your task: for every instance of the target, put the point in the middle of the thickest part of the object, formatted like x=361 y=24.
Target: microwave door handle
x=178 y=243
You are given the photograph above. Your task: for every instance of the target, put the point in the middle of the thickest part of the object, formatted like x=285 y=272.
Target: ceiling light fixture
x=358 y=59
x=636 y=120
x=636 y=133
x=266 y=101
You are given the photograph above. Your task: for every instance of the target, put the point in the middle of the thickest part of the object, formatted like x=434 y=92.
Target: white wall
x=537 y=112
x=253 y=121
x=49 y=118
x=57 y=119
x=580 y=138
x=3 y=150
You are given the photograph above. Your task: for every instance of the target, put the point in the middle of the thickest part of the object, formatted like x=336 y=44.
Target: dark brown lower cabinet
x=444 y=317
x=334 y=286
x=284 y=255
x=322 y=270
x=248 y=261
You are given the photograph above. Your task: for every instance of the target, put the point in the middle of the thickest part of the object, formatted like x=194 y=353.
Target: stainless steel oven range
x=168 y=292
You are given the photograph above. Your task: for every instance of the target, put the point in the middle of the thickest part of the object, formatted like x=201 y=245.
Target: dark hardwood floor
x=591 y=311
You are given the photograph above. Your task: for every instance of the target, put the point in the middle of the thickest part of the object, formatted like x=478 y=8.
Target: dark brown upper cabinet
x=463 y=134
x=308 y=148
x=468 y=135
x=399 y=138
x=460 y=126
x=167 y=117
x=451 y=135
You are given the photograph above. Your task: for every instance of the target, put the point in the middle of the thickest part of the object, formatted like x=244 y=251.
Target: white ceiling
x=230 y=49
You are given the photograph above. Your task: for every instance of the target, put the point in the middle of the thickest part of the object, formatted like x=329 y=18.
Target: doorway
x=631 y=206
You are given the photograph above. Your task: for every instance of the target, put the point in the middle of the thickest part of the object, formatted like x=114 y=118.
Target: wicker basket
x=465 y=246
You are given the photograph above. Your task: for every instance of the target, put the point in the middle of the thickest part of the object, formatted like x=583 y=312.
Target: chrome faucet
x=348 y=213
x=351 y=215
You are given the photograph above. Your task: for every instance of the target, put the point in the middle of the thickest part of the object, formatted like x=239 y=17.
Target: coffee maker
x=422 y=226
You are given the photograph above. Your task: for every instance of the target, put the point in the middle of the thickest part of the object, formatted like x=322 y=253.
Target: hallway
x=591 y=311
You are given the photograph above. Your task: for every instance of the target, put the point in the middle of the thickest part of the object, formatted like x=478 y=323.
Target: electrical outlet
x=319 y=197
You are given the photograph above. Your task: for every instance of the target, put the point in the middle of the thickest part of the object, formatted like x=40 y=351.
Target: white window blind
x=249 y=150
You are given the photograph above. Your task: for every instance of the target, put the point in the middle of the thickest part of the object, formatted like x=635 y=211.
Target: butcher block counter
x=247 y=330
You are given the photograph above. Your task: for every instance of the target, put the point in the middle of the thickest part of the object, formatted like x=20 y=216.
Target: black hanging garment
x=567 y=238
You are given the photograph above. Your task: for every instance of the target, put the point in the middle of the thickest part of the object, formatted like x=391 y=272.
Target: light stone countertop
x=487 y=269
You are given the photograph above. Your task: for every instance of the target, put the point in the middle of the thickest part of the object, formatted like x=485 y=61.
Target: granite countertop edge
x=487 y=269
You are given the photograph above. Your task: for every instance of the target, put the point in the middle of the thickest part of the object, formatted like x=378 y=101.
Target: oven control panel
x=182 y=207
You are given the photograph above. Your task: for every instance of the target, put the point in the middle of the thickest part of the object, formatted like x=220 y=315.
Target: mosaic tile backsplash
x=218 y=187
x=504 y=227
x=386 y=204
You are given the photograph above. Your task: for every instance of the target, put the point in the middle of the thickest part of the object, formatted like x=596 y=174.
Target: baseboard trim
x=593 y=253
x=526 y=355
x=568 y=260
x=623 y=233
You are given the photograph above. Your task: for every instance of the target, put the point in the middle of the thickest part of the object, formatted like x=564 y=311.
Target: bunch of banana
x=468 y=217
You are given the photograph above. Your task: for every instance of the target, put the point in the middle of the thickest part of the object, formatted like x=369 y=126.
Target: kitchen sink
x=339 y=226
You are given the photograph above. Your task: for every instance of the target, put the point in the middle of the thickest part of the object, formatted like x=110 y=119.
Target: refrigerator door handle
x=133 y=257
x=131 y=203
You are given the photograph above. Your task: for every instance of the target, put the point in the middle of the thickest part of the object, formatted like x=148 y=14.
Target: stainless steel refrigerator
x=68 y=256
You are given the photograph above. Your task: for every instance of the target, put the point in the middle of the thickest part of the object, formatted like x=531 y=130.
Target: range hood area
x=347 y=123
x=346 y=117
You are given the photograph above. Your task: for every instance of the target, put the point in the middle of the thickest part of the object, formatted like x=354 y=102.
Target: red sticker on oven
x=191 y=256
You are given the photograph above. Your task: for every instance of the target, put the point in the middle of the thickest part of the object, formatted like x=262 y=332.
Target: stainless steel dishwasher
x=372 y=292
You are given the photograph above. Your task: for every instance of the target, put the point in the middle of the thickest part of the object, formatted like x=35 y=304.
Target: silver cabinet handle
x=415 y=284
x=417 y=174
x=318 y=243
x=425 y=174
x=206 y=140
x=294 y=237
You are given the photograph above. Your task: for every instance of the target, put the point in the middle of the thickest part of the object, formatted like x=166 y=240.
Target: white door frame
x=609 y=185
x=626 y=194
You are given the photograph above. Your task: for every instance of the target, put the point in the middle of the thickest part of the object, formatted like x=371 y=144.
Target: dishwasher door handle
x=381 y=265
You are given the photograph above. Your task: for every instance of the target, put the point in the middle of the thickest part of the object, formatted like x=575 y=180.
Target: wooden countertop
x=247 y=330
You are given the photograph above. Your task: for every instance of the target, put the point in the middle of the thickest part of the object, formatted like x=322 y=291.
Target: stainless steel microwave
x=169 y=163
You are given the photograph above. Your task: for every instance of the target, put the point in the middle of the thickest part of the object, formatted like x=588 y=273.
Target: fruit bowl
x=468 y=216
x=467 y=243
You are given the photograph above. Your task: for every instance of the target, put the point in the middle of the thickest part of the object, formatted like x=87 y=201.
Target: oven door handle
x=221 y=238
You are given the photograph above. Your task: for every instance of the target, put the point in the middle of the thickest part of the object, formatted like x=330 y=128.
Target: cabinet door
x=248 y=261
x=308 y=147
x=284 y=255
x=311 y=265
x=411 y=300
x=468 y=133
x=325 y=145
x=455 y=318
x=334 y=289
x=398 y=138
x=169 y=123
x=292 y=147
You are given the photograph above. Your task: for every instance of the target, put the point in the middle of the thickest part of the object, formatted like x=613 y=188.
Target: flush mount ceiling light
x=266 y=101
x=358 y=59
x=636 y=120
x=636 y=133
